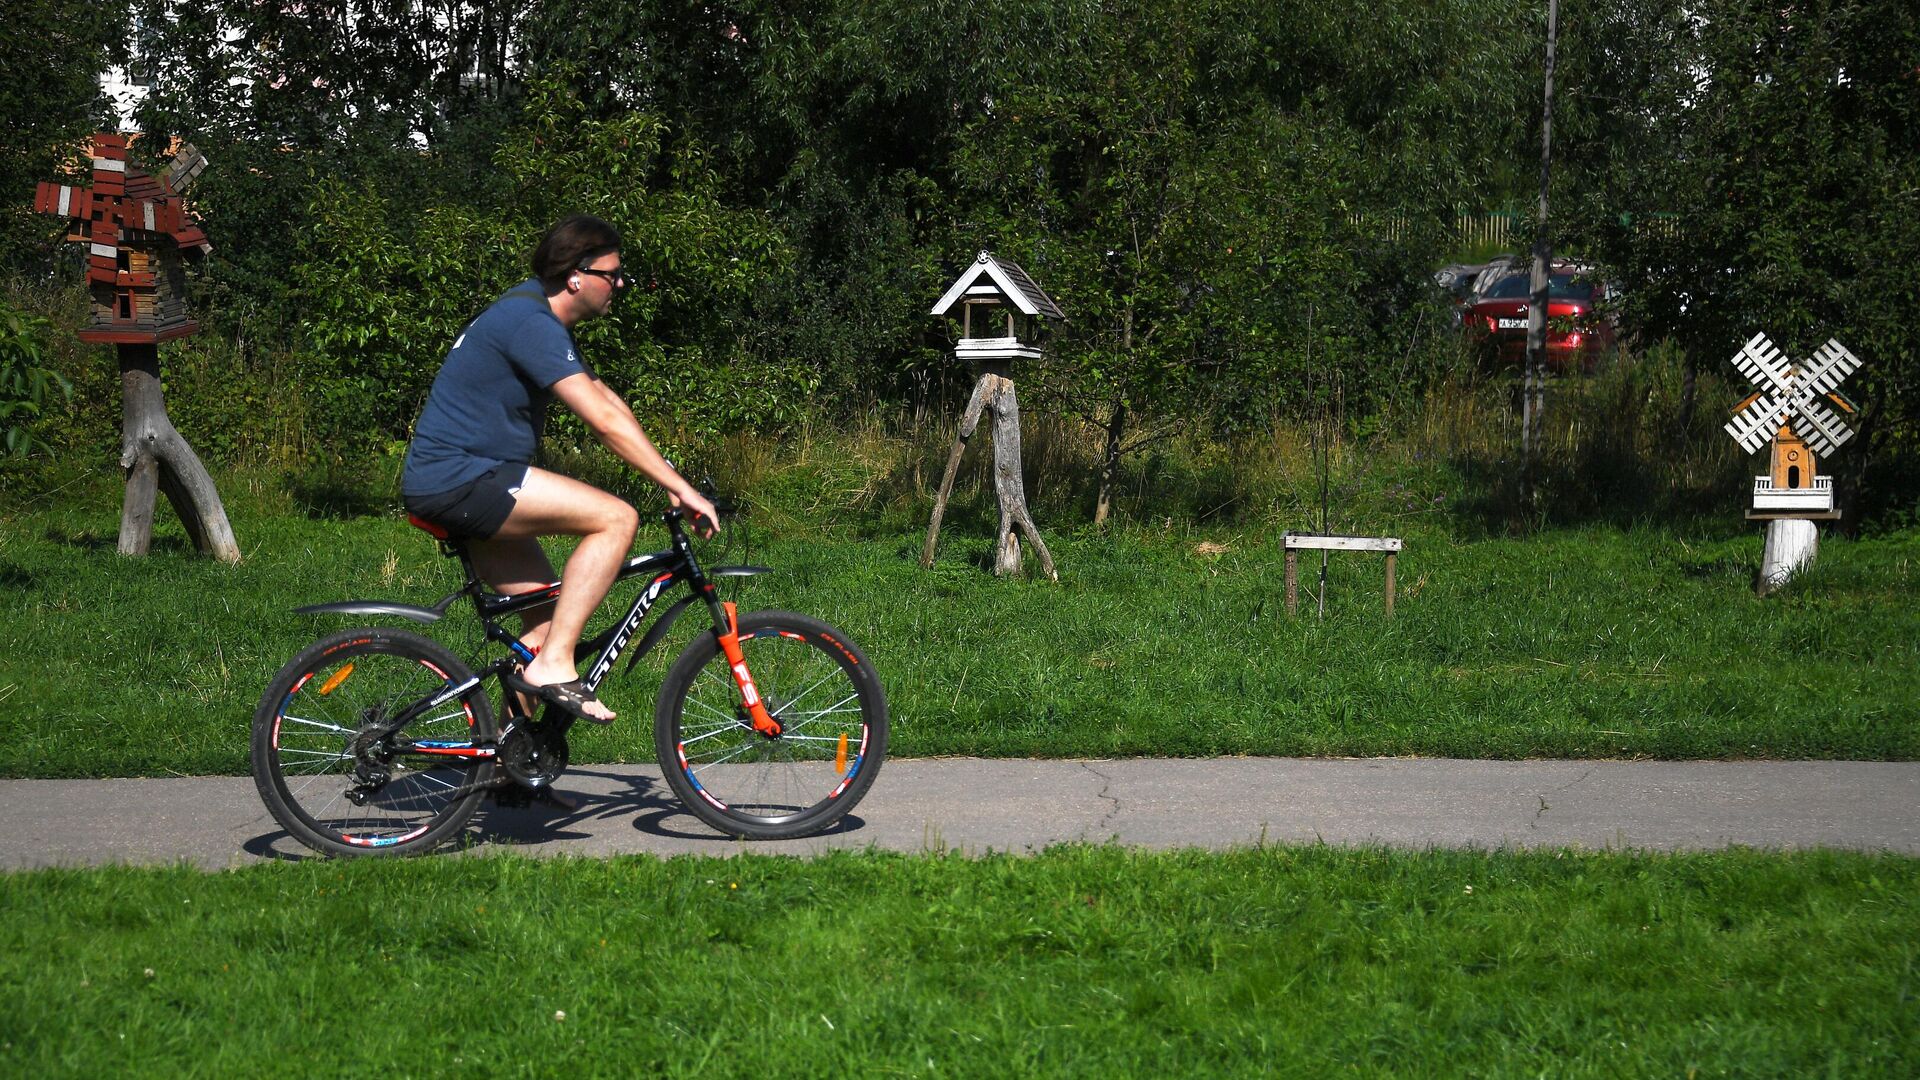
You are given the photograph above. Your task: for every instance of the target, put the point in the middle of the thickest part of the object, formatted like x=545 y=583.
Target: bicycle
x=379 y=740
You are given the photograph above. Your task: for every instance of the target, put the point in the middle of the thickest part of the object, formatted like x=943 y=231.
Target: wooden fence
x=1512 y=231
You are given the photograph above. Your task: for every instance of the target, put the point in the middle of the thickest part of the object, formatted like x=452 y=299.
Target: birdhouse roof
x=996 y=278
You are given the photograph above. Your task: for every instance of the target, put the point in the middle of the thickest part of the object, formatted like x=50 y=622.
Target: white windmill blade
x=1830 y=360
x=1756 y=423
x=1830 y=364
x=1823 y=431
x=1761 y=362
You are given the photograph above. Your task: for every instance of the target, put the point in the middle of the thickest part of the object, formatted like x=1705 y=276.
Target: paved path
x=979 y=805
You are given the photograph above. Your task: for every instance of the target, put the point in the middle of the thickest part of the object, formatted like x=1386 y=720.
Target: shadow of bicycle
x=569 y=817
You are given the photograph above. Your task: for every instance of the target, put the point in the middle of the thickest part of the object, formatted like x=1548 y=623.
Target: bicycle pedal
x=558 y=800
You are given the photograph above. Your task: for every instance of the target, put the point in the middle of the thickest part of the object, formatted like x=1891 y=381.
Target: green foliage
x=382 y=297
x=51 y=55
x=672 y=342
x=26 y=385
x=383 y=293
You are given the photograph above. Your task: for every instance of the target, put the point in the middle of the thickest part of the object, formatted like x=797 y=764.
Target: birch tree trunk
x=1109 y=464
x=156 y=458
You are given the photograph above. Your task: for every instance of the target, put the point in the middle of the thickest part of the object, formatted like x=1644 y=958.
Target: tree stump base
x=993 y=395
x=157 y=458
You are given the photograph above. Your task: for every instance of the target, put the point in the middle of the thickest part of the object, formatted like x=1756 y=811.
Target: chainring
x=534 y=755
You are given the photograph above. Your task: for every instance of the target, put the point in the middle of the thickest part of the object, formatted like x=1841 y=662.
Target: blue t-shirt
x=489 y=402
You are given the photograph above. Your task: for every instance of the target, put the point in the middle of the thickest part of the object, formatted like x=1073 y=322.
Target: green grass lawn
x=1078 y=961
x=1591 y=642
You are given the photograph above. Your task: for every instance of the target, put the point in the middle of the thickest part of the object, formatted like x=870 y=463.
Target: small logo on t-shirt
x=457 y=342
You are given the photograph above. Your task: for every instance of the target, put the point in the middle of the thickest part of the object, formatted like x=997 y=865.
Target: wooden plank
x=1305 y=541
x=1390 y=557
x=1293 y=582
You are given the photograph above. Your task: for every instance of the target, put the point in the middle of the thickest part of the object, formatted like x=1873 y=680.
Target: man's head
x=578 y=263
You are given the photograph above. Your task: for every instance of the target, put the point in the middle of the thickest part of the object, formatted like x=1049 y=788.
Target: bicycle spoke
x=744 y=748
x=324 y=725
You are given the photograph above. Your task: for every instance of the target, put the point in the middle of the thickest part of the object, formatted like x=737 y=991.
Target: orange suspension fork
x=763 y=721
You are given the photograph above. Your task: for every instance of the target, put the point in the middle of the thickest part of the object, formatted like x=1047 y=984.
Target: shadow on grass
x=335 y=490
x=1596 y=487
x=88 y=540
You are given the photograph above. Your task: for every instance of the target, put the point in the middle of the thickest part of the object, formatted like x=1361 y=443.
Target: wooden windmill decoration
x=1790 y=408
x=1790 y=411
x=137 y=232
x=995 y=294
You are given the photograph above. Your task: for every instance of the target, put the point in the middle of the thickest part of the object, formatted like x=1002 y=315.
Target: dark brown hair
x=575 y=241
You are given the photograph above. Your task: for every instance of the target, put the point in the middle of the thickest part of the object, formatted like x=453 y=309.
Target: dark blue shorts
x=474 y=510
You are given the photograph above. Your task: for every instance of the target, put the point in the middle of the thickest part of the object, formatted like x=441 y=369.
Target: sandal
x=569 y=697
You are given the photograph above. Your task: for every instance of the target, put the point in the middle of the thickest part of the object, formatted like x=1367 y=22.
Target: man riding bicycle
x=469 y=468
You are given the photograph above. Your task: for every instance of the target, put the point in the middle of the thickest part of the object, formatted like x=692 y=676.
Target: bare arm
x=613 y=422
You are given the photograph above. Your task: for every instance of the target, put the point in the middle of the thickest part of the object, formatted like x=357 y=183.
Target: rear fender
x=383 y=608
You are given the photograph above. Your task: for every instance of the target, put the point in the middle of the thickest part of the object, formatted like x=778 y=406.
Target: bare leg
x=518 y=566
x=549 y=504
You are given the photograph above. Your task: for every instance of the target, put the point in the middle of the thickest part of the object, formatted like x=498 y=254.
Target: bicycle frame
x=667 y=567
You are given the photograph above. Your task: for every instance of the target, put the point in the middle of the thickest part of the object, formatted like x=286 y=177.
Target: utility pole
x=1533 y=391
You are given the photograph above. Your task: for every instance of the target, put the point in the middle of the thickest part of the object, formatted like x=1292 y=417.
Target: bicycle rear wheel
x=321 y=776
x=829 y=703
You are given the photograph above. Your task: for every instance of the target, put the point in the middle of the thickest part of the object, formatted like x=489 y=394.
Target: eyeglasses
x=616 y=278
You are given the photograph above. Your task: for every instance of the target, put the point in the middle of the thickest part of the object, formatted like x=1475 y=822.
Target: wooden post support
x=1294 y=543
x=1293 y=582
x=993 y=396
x=157 y=459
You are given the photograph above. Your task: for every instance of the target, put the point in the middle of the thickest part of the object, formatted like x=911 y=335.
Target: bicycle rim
x=309 y=741
x=828 y=703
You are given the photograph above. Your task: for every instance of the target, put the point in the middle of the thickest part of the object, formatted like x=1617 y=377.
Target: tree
x=48 y=109
x=1784 y=140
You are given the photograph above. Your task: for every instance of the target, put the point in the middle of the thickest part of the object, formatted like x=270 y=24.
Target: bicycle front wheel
x=833 y=718
x=339 y=791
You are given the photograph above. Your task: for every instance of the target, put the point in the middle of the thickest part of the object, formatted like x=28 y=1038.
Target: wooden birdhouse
x=1001 y=313
x=137 y=232
x=995 y=295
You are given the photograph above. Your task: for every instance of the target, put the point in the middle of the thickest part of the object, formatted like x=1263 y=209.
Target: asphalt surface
x=975 y=806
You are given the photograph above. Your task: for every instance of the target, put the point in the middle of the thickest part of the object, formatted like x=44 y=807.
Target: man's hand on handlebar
x=699 y=512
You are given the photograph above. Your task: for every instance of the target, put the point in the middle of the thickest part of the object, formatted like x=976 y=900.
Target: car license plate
x=1513 y=324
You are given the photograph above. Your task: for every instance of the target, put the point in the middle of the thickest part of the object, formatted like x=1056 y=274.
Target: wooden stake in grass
x=992 y=283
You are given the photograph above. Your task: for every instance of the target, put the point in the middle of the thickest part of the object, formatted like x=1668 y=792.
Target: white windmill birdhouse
x=1790 y=408
x=991 y=289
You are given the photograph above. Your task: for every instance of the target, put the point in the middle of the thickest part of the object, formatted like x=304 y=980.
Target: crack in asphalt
x=1545 y=806
x=1106 y=783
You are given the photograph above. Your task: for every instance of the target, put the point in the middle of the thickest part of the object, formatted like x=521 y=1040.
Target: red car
x=1577 y=330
